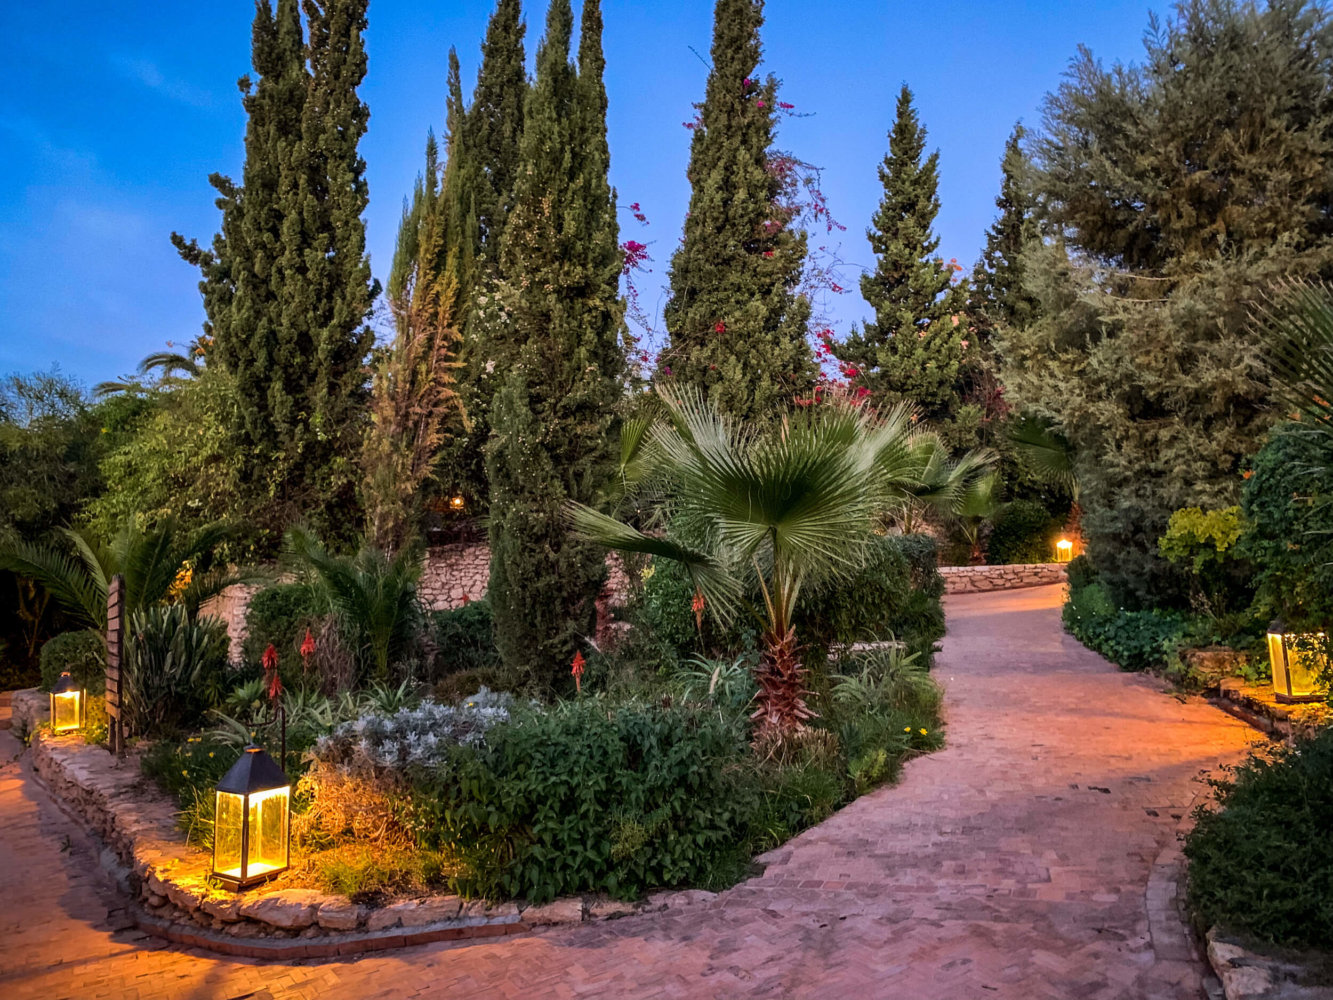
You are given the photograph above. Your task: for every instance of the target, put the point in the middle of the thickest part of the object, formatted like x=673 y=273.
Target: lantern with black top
x=1296 y=658
x=251 y=821
x=67 y=705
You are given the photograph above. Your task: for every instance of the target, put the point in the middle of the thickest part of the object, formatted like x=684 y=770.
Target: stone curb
x=984 y=579
x=1250 y=975
x=165 y=880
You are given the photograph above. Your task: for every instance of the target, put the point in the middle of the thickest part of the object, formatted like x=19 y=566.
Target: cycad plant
x=160 y=563
x=778 y=511
x=373 y=594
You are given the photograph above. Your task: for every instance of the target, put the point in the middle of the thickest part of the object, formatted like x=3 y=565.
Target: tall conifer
x=737 y=325
x=553 y=417
x=997 y=296
x=495 y=120
x=912 y=349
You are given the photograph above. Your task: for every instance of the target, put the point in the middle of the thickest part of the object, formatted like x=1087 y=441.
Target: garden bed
x=169 y=885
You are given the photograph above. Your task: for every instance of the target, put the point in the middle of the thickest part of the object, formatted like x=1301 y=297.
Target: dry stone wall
x=979 y=579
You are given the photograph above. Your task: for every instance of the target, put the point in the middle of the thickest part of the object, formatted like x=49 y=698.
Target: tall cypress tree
x=912 y=349
x=997 y=296
x=553 y=417
x=495 y=120
x=737 y=325
x=287 y=286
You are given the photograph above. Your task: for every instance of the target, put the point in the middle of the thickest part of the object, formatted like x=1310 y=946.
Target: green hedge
x=1023 y=532
x=464 y=639
x=82 y=653
x=1262 y=860
x=1135 y=640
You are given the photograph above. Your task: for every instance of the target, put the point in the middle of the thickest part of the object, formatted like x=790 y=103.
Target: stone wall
x=452 y=576
x=977 y=579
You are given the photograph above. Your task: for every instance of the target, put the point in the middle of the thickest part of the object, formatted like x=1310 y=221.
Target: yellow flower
x=210 y=753
x=907 y=729
x=185 y=774
x=923 y=732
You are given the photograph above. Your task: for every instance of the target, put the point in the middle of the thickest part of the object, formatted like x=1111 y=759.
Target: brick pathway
x=1035 y=857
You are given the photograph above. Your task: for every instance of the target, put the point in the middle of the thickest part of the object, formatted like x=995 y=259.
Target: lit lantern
x=251 y=821
x=1295 y=659
x=1064 y=550
x=456 y=503
x=67 y=705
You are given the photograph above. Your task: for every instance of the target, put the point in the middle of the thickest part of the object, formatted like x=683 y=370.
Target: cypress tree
x=997 y=296
x=287 y=286
x=553 y=417
x=495 y=121
x=736 y=324
x=912 y=349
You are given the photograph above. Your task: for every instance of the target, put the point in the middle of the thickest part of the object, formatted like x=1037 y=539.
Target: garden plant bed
x=167 y=880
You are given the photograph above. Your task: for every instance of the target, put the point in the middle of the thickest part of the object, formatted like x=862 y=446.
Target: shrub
x=1203 y=542
x=1262 y=860
x=189 y=771
x=1286 y=503
x=464 y=639
x=588 y=798
x=175 y=668
x=665 y=611
x=82 y=653
x=280 y=615
x=1135 y=640
x=1023 y=532
x=1080 y=572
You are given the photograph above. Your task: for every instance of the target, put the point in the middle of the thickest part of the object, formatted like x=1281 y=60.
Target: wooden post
x=115 y=647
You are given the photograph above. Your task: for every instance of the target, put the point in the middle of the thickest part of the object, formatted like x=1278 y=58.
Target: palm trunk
x=782 y=709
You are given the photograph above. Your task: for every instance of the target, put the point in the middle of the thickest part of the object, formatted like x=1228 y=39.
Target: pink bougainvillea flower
x=785 y=106
x=768 y=253
x=835 y=286
x=759 y=104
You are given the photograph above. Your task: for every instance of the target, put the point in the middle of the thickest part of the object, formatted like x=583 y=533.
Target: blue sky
x=116 y=114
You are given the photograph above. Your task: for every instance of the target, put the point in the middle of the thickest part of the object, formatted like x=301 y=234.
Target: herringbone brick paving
x=1035 y=857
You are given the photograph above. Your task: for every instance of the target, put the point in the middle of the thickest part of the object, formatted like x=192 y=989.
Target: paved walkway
x=1035 y=857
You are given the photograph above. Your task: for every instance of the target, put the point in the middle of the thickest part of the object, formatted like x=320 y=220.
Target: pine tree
x=997 y=296
x=912 y=350
x=736 y=322
x=553 y=418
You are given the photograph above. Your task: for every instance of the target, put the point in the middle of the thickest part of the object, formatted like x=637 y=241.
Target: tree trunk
x=782 y=709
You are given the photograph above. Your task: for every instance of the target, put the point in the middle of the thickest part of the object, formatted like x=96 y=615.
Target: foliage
x=737 y=327
x=464 y=638
x=998 y=295
x=1286 y=508
x=189 y=771
x=1135 y=640
x=159 y=563
x=1204 y=543
x=367 y=873
x=82 y=653
x=1173 y=194
x=173 y=669
x=777 y=513
x=1023 y=532
x=914 y=348
x=286 y=284
x=373 y=594
x=1299 y=329
x=1260 y=857
x=726 y=684
x=279 y=616
x=553 y=424
x=588 y=798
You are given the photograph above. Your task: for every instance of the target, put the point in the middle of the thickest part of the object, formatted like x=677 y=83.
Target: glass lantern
x=1296 y=659
x=251 y=821
x=67 y=705
x=1064 y=550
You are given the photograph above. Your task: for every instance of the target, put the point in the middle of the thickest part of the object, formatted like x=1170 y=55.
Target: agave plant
x=159 y=563
x=778 y=511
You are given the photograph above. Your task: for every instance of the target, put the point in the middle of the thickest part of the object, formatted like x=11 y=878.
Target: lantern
x=67 y=705
x=1295 y=658
x=1064 y=550
x=456 y=503
x=251 y=821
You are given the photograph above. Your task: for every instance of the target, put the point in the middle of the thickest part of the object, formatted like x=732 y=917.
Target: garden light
x=456 y=503
x=1296 y=659
x=251 y=821
x=67 y=705
x=1064 y=550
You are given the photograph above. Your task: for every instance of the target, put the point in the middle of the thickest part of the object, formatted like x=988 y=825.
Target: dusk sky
x=117 y=113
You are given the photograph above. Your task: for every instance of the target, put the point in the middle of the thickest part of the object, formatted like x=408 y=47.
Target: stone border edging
x=166 y=880
x=983 y=579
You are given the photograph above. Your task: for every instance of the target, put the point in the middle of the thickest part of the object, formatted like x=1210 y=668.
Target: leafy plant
x=727 y=684
x=1260 y=858
x=1203 y=543
x=173 y=668
x=82 y=653
x=1022 y=532
x=464 y=638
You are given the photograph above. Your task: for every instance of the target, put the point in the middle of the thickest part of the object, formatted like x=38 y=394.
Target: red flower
x=785 y=106
x=697 y=606
x=720 y=327
x=758 y=104
x=835 y=286
x=768 y=253
x=577 y=670
x=270 y=658
x=308 y=645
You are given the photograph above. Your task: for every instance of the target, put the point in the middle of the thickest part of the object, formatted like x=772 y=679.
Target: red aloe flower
x=577 y=671
x=269 y=660
x=308 y=646
x=697 y=606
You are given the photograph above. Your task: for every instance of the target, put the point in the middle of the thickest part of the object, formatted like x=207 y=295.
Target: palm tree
x=172 y=364
x=157 y=563
x=1051 y=456
x=374 y=595
x=979 y=503
x=777 y=512
x=1298 y=325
